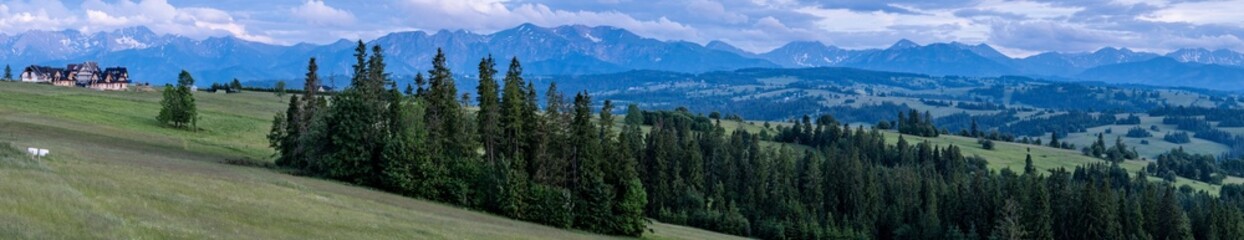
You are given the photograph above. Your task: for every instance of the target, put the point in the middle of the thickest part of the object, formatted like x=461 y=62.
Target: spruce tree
x=594 y=198
x=444 y=112
x=513 y=113
x=235 y=86
x=489 y=114
x=419 y=84
x=353 y=149
x=1054 y=140
x=1036 y=213
x=628 y=212
x=1028 y=166
x=286 y=134
x=8 y=73
x=449 y=136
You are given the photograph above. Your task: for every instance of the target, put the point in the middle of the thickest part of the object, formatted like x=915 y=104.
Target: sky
x=1017 y=28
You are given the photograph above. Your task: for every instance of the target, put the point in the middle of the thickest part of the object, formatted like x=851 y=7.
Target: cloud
x=1207 y=12
x=97 y=15
x=20 y=16
x=714 y=11
x=1039 y=35
x=317 y=13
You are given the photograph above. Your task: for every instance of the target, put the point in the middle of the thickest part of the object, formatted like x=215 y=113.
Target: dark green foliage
x=294 y=143
x=566 y=167
x=177 y=106
x=351 y=148
x=8 y=73
x=1138 y=132
x=914 y=124
x=985 y=143
x=235 y=86
x=883 y=125
x=550 y=206
x=1131 y=119
x=279 y=88
x=1179 y=163
x=1177 y=137
x=425 y=146
x=1116 y=153
x=1054 y=140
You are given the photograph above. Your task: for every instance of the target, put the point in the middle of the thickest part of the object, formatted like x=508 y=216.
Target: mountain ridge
x=561 y=50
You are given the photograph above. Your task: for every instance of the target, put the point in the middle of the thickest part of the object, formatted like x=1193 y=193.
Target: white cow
x=43 y=152
x=32 y=151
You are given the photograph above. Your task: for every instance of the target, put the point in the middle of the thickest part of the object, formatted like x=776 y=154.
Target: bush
x=1177 y=138
x=883 y=125
x=549 y=206
x=1137 y=132
x=986 y=143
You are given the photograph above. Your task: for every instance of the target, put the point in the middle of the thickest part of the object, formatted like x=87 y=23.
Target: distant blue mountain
x=1166 y=71
x=933 y=59
x=582 y=50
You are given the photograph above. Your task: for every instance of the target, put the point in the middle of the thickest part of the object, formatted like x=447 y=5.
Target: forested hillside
x=560 y=165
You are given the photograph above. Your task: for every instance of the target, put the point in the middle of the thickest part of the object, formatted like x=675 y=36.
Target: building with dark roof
x=86 y=75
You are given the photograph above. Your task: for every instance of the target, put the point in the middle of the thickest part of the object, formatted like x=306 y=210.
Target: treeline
x=559 y=167
x=1193 y=166
x=1081 y=97
x=1071 y=122
x=1226 y=117
x=913 y=123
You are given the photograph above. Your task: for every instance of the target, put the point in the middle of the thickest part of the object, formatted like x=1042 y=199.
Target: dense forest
x=559 y=164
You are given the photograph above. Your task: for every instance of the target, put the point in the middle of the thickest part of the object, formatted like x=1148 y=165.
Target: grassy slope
x=114 y=173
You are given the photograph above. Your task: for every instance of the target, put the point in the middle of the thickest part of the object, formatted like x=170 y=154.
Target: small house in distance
x=113 y=79
x=86 y=75
x=42 y=74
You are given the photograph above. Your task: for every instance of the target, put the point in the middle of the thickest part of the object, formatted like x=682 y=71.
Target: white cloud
x=1029 y=9
x=1207 y=12
x=715 y=11
x=926 y=25
x=19 y=16
x=317 y=13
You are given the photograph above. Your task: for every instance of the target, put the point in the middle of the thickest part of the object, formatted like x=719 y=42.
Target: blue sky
x=1018 y=28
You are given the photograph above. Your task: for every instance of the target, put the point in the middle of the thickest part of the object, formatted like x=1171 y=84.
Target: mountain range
x=583 y=50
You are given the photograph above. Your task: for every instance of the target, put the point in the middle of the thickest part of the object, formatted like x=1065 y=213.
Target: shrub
x=1137 y=132
x=549 y=206
x=1177 y=138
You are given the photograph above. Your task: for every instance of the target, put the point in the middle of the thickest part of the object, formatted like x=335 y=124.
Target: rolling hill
x=114 y=173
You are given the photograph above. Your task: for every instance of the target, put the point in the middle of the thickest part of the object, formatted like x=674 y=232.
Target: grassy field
x=114 y=173
x=1156 y=144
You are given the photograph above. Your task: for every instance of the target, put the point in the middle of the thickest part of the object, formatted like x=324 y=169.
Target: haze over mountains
x=578 y=50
